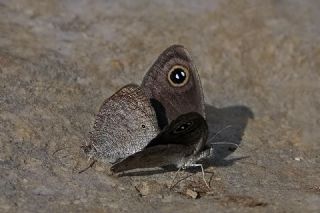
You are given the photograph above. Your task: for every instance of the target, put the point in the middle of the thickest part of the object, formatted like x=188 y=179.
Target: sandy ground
x=259 y=65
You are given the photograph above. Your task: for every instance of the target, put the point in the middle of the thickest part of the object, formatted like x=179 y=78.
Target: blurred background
x=259 y=65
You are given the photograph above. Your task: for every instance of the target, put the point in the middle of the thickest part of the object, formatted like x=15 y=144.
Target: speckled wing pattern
x=125 y=124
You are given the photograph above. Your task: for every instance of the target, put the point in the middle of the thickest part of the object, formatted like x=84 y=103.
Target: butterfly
x=158 y=123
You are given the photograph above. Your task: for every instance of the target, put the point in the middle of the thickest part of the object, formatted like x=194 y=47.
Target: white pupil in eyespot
x=181 y=74
x=184 y=126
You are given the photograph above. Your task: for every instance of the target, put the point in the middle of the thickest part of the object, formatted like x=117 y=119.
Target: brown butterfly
x=142 y=123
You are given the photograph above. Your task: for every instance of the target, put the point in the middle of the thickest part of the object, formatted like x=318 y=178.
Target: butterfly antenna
x=213 y=137
x=222 y=142
x=225 y=143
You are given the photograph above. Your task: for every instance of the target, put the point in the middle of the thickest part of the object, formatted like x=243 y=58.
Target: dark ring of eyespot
x=178 y=76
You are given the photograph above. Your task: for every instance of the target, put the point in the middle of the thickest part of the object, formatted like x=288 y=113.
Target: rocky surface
x=259 y=64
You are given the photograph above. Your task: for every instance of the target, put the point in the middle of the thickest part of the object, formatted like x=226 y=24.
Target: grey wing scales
x=125 y=124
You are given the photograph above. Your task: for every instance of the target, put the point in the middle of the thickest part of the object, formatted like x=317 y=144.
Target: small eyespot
x=143 y=126
x=183 y=127
x=178 y=76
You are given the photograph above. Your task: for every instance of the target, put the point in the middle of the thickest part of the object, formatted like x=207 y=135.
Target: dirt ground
x=259 y=62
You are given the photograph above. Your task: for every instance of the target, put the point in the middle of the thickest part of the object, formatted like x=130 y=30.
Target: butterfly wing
x=151 y=157
x=186 y=130
x=125 y=124
x=173 y=84
x=183 y=138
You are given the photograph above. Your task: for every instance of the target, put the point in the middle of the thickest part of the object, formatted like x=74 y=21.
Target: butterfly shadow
x=226 y=126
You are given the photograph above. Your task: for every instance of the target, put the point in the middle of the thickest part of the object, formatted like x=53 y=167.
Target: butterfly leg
x=202 y=170
x=175 y=176
x=88 y=167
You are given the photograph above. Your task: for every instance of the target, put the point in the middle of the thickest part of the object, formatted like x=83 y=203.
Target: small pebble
x=149 y=187
x=297 y=159
x=192 y=193
x=99 y=168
